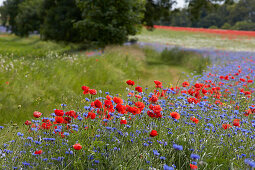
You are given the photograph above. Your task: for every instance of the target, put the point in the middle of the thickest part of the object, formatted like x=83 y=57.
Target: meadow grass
x=197 y=40
x=38 y=75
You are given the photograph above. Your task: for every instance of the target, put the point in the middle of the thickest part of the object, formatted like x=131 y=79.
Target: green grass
x=37 y=75
x=196 y=40
x=30 y=47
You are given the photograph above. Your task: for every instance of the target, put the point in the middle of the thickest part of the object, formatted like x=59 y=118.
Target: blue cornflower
x=20 y=134
x=163 y=158
x=66 y=133
x=29 y=138
x=145 y=144
x=26 y=163
x=177 y=147
x=61 y=159
x=155 y=152
x=194 y=156
x=166 y=167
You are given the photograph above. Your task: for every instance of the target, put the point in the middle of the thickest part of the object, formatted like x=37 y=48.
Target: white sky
x=1 y=2
x=180 y=3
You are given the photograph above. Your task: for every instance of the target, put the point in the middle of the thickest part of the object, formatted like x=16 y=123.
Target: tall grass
x=29 y=84
x=41 y=76
x=192 y=61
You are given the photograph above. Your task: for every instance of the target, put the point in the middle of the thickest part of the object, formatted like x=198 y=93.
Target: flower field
x=227 y=33
x=200 y=38
x=205 y=122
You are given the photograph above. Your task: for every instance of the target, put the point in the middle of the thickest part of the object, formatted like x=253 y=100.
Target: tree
x=9 y=11
x=109 y=22
x=59 y=17
x=155 y=10
x=29 y=17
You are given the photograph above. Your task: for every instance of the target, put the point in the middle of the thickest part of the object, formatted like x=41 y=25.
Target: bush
x=244 y=25
x=226 y=26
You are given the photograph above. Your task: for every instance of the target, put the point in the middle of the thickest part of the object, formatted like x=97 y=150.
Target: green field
x=38 y=75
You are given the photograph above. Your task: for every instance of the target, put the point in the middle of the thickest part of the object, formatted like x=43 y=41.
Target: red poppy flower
x=98 y=104
x=28 y=122
x=67 y=120
x=195 y=120
x=192 y=166
x=38 y=152
x=92 y=91
x=77 y=146
x=123 y=122
x=59 y=119
x=236 y=122
x=175 y=115
x=85 y=89
x=139 y=89
x=37 y=114
x=71 y=113
x=117 y=100
x=46 y=125
x=226 y=126
x=140 y=105
x=130 y=82
x=108 y=97
x=185 y=84
x=151 y=114
x=153 y=133
x=158 y=84
x=120 y=108
x=59 y=112
x=93 y=116
x=153 y=99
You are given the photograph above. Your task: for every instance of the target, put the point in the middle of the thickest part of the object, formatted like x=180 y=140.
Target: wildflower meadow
x=204 y=122
x=127 y=84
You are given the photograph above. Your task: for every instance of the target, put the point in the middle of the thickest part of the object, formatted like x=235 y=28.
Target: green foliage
x=244 y=25
x=156 y=10
x=29 y=17
x=9 y=11
x=207 y=13
x=226 y=26
x=59 y=17
x=109 y=22
x=213 y=27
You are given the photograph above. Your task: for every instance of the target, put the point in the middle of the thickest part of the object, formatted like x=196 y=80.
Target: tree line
x=228 y=14
x=104 y=22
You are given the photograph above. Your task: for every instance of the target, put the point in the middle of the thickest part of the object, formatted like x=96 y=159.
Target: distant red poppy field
x=228 y=33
